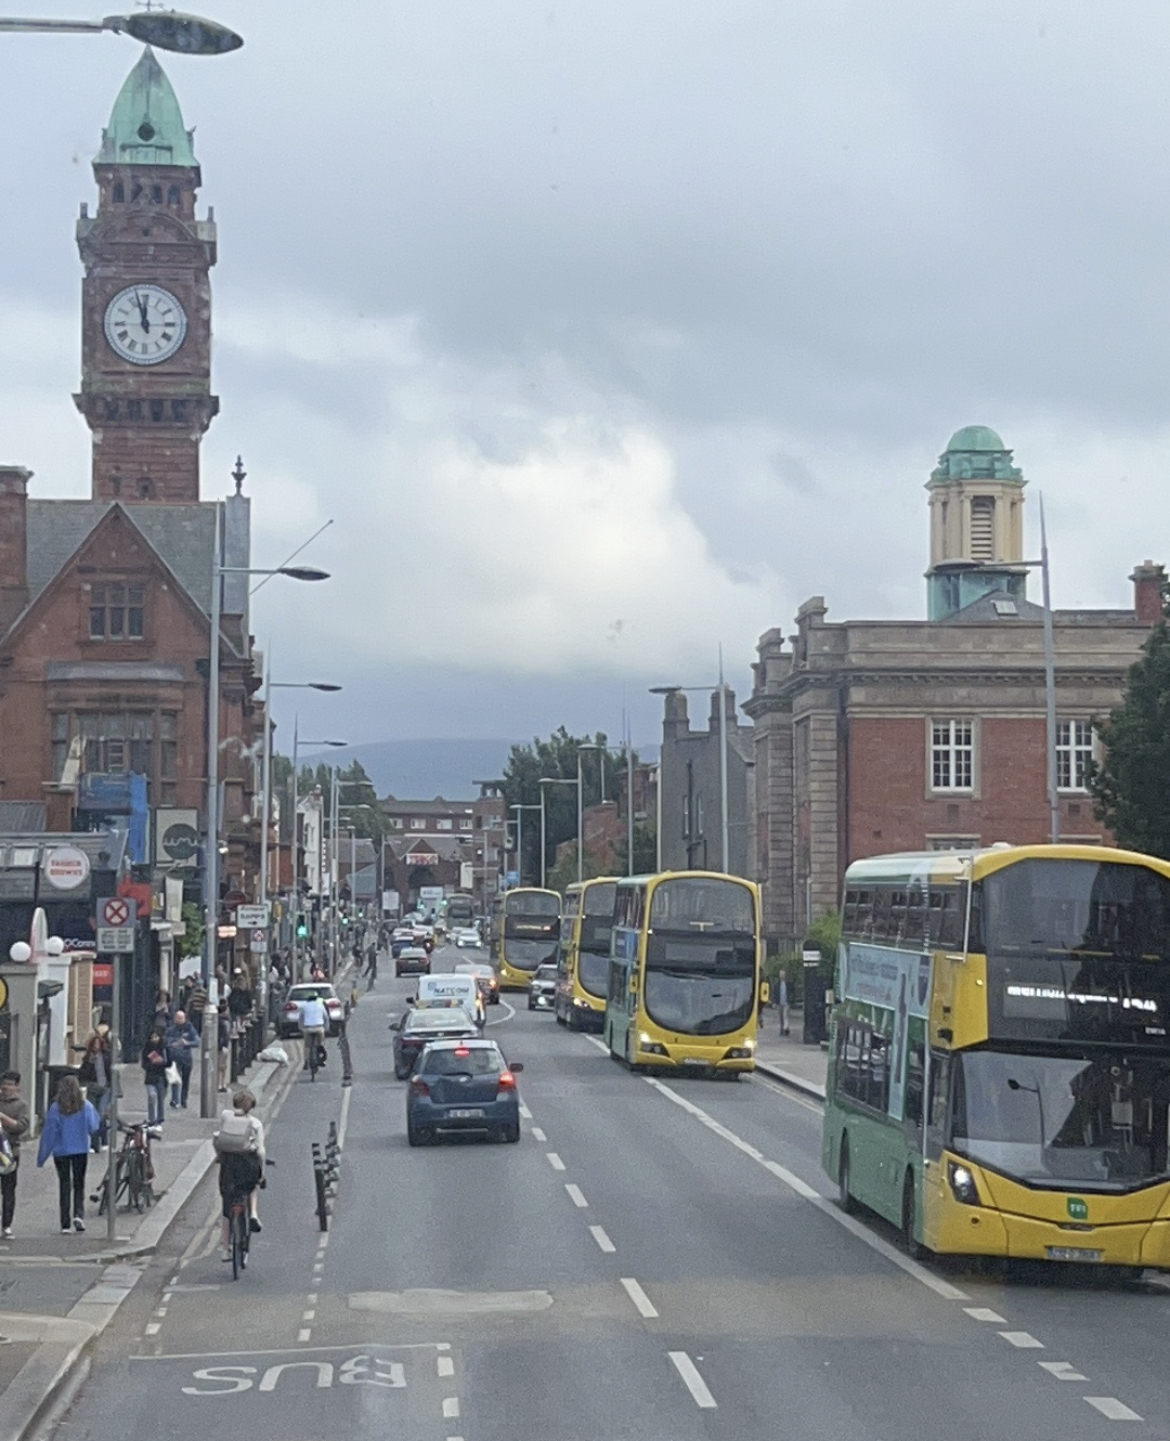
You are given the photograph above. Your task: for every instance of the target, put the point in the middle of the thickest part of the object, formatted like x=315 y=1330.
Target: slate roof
x=183 y=535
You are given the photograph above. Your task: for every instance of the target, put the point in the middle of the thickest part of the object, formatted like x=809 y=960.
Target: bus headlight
x=651 y=1048
x=740 y=1053
x=962 y=1184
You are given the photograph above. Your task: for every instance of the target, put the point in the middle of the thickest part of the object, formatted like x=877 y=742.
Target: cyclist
x=314 y=1019
x=239 y=1144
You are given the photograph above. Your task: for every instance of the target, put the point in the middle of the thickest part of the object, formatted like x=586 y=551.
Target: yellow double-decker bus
x=999 y=1074
x=583 y=958
x=684 y=972
x=526 y=928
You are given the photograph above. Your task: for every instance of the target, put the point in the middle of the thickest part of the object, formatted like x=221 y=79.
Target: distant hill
x=420 y=770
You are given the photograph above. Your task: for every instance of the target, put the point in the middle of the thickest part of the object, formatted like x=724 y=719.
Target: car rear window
x=477 y=1062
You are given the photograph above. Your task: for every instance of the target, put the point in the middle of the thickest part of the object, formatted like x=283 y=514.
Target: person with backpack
x=14 y=1122
x=239 y=1147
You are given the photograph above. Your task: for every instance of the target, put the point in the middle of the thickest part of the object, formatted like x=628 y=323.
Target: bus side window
x=915 y=1085
x=937 y=1102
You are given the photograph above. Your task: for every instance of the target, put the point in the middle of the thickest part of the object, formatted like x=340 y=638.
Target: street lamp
x=551 y=781
x=520 y=838
x=211 y=867
x=296 y=849
x=721 y=689
x=584 y=746
x=165 y=30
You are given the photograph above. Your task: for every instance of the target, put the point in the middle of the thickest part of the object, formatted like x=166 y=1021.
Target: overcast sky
x=607 y=331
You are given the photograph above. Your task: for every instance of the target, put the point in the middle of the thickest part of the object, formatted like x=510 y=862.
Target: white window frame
x=1071 y=744
x=445 y=825
x=417 y=825
x=959 y=750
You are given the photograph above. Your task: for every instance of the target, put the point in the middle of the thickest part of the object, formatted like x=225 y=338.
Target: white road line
x=598 y=1234
x=304 y=1334
x=450 y=1408
x=692 y=1380
x=525 y=1112
x=343 y=1124
x=1023 y=1340
x=1112 y=1409
x=575 y=1195
x=445 y=1365
x=153 y=1329
x=639 y=1297
x=555 y=1161
x=983 y=1313
x=822 y=1203
x=499 y=1020
x=309 y=1315
x=601 y=1046
x=312 y=1298
x=1062 y=1370
x=538 y=1134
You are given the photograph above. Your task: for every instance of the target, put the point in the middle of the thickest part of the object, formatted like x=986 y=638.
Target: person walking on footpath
x=14 y=1124
x=182 y=1040
x=372 y=966
x=96 y=1074
x=782 y=1000
x=154 y=1074
x=71 y=1121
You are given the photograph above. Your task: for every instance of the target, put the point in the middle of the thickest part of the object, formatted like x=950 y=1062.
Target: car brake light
x=419 y=1087
x=507 y=1081
x=462 y=1051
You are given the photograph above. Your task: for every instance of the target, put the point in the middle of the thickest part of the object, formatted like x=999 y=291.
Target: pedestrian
x=372 y=966
x=782 y=1000
x=14 y=1124
x=71 y=1121
x=224 y=1042
x=163 y=1010
x=240 y=1001
x=96 y=1074
x=154 y=1074
x=181 y=1040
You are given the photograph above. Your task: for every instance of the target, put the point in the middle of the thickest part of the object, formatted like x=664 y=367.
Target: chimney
x=1149 y=582
x=13 y=543
x=674 y=719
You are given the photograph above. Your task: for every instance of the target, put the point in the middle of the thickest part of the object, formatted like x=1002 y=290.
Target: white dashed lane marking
x=451 y=1408
x=538 y=1134
x=1112 y=1409
x=1062 y=1370
x=598 y=1234
x=1022 y=1339
x=639 y=1297
x=555 y=1161
x=694 y=1383
x=983 y=1313
x=445 y=1366
x=575 y=1195
x=525 y=1112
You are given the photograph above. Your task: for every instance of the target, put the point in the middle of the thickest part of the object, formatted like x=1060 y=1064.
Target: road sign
x=115 y=939
x=116 y=913
x=251 y=918
x=259 y=942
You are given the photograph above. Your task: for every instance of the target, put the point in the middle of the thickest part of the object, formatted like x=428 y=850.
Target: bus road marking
x=1023 y=1340
x=1062 y=1370
x=1112 y=1409
x=984 y=1313
x=576 y=1196
x=538 y=1134
x=450 y=1408
x=694 y=1383
x=598 y=1234
x=445 y=1365
x=822 y=1203
x=555 y=1161
x=639 y=1297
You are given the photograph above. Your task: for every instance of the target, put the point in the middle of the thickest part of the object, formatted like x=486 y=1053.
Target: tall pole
x=543 y=842
x=658 y=818
x=519 y=843
x=265 y=823
x=580 y=819
x=723 y=817
x=1049 y=685
x=629 y=803
x=295 y=849
x=209 y=1038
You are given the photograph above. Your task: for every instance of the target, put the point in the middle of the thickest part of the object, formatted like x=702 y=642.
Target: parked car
x=412 y=960
x=289 y=1023
x=418 y=1027
x=542 y=988
x=462 y=1086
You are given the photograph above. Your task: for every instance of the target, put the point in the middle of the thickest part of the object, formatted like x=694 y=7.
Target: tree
x=1131 y=785
x=645 y=851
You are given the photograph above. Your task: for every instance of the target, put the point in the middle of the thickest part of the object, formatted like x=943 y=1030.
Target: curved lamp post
x=165 y=30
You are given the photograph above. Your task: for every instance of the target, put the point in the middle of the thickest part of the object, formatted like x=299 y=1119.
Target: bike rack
x=326 y=1166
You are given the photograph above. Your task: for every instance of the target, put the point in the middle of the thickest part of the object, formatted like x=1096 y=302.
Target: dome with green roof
x=976 y=452
x=146 y=125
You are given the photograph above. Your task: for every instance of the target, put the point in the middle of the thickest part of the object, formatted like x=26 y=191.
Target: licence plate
x=1072 y=1253
x=465 y=1115
x=694 y=1061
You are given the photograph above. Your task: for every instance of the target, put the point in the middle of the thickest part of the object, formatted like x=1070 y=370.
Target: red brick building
x=880 y=736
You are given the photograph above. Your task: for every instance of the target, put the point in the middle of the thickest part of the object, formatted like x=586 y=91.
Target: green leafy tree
x=190 y=943
x=1131 y=785
x=645 y=851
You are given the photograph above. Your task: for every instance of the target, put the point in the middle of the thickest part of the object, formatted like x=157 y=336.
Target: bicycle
x=133 y=1170
x=315 y=1057
x=240 y=1230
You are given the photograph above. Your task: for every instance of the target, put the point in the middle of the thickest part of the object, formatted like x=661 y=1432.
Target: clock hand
x=142 y=313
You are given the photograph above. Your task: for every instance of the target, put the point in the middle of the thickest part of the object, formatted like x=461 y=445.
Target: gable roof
x=183 y=537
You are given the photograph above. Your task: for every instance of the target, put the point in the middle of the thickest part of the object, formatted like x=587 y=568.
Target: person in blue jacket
x=71 y=1121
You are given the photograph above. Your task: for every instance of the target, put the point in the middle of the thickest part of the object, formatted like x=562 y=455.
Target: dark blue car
x=462 y=1086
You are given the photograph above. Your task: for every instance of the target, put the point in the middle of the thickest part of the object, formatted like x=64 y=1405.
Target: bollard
x=234 y=1060
x=319 y=1183
x=346 y=1058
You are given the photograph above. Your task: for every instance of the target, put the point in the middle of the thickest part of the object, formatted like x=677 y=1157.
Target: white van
x=452 y=990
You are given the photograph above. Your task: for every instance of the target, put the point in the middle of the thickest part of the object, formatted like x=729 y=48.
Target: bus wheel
x=844 y=1194
x=569 y=1021
x=913 y=1248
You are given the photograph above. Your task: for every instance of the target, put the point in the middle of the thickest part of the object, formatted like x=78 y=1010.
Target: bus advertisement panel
x=999 y=1064
x=527 y=934
x=684 y=972
x=583 y=958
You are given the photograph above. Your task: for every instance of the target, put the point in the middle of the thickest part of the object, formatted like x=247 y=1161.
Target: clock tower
x=146 y=301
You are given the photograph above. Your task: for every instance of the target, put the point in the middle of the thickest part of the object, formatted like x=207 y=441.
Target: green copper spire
x=146 y=124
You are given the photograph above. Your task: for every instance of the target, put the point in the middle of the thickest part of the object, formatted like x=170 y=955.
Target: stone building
x=690 y=789
x=880 y=736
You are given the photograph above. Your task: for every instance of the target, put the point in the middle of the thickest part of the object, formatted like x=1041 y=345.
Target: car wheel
x=532 y=1005
x=414 y=1136
x=572 y=1022
x=398 y=972
x=511 y=1133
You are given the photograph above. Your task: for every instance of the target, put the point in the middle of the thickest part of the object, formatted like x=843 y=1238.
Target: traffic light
x=302 y=928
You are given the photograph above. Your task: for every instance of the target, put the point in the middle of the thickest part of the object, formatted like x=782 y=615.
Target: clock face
x=145 y=324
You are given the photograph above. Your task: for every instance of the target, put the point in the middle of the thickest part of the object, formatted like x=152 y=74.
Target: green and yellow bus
x=999 y=1066
x=684 y=972
x=583 y=958
x=526 y=929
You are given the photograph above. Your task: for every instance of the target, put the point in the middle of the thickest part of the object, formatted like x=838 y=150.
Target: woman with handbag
x=154 y=1073
x=96 y=1074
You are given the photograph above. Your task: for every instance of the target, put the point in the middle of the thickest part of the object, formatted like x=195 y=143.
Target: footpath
x=58 y=1292
x=788 y=1060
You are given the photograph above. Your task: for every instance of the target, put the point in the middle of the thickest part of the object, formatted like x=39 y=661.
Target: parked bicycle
x=240 y=1230
x=134 y=1169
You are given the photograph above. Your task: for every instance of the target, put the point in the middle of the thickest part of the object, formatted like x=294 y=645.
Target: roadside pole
x=112 y=1114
